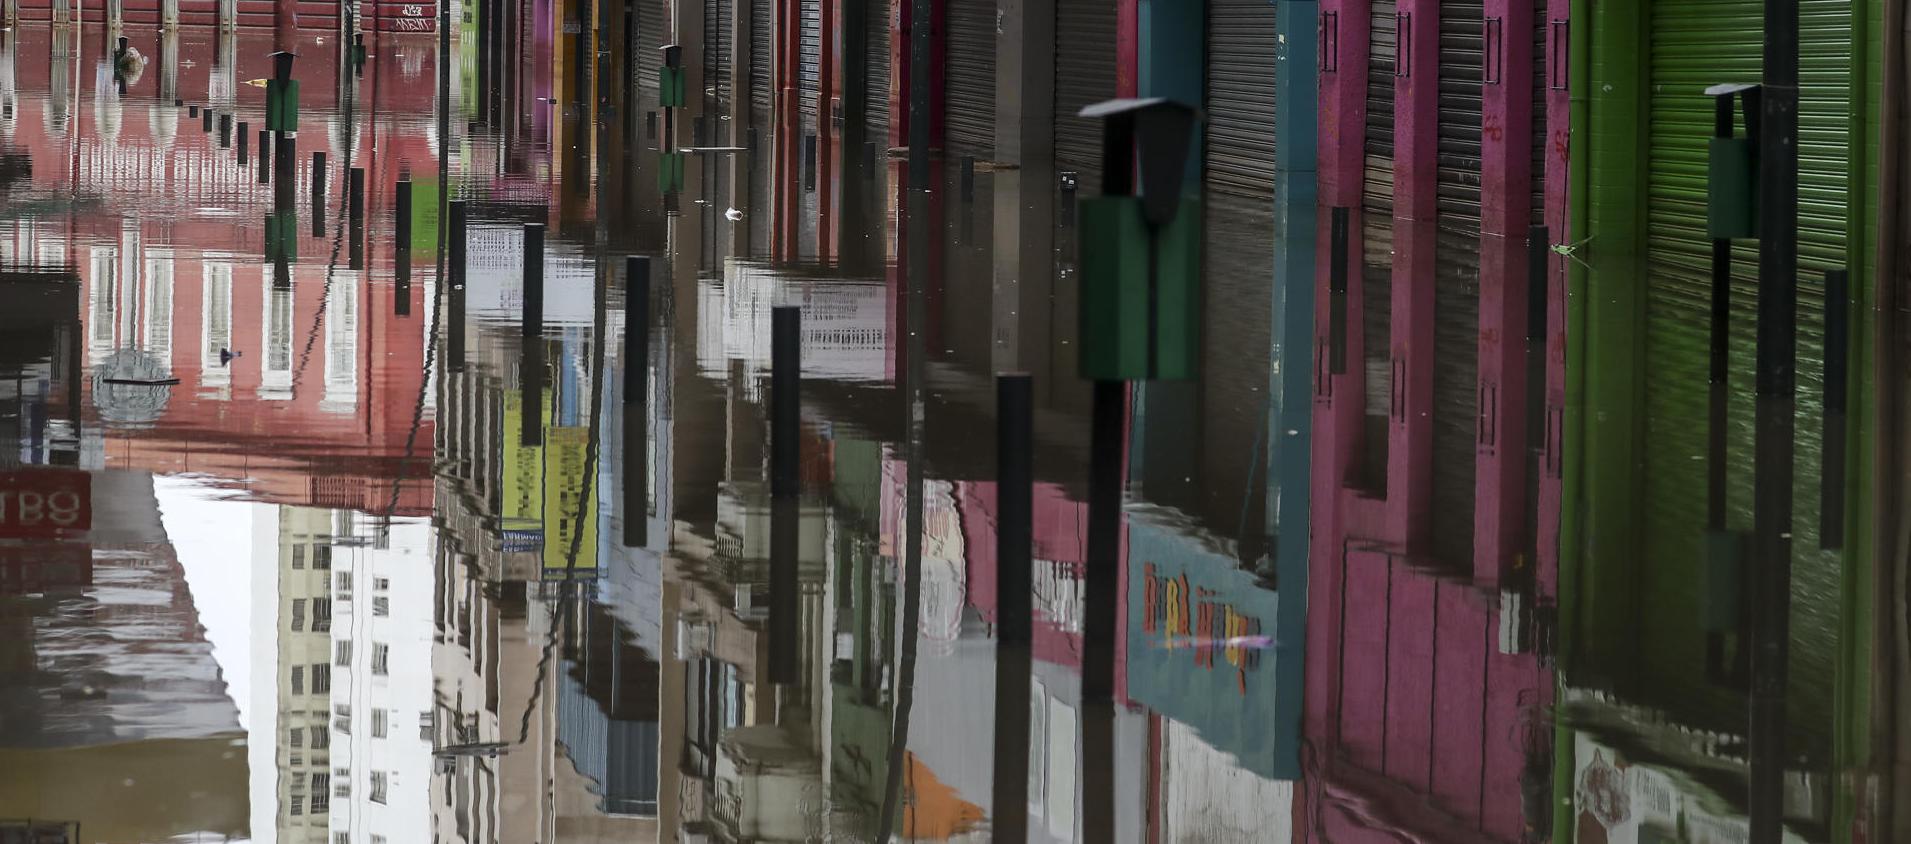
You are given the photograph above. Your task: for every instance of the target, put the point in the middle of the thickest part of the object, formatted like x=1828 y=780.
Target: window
x=379 y=717
x=298 y=556
x=297 y=805
x=298 y=679
x=378 y=839
x=381 y=659
x=321 y=615
x=321 y=792
x=321 y=678
x=344 y=581
x=342 y=719
x=378 y=786
x=424 y=726
x=321 y=737
x=381 y=583
x=381 y=606
x=297 y=736
x=322 y=557
x=343 y=648
x=343 y=778
x=298 y=615
x=341 y=837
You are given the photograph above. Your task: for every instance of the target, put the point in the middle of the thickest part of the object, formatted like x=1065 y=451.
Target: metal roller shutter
x=970 y=77
x=1456 y=255
x=1456 y=356
x=1461 y=51
x=1236 y=341
x=1240 y=137
x=812 y=54
x=1540 y=15
x=650 y=46
x=718 y=54
x=760 y=82
x=876 y=76
x=1084 y=75
x=1377 y=232
x=1696 y=43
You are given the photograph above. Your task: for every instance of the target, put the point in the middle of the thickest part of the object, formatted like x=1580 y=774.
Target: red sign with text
x=45 y=502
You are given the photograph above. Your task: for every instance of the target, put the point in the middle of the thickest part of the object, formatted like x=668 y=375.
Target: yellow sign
x=570 y=514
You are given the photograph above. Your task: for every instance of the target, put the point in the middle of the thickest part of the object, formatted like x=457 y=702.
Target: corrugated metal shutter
x=876 y=72
x=812 y=53
x=1456 y=255
x=1696 y=43
x=970 y=80
x=1084 y=75
x=1461 y=51
x=1239 y=261
x=650 y=46
x=1377 y=232
x=719 y=56
x=1240 y=139
x=760 y=82
x=1456 y=367
x=1540 y=83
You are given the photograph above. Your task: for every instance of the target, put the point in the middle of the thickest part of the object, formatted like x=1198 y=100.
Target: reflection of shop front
x=1617 y=800
x=1202 y=651
x=1433 y=708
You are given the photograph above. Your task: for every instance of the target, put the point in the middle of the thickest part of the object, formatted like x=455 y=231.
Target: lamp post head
x=1152 y=136
x=282 y=64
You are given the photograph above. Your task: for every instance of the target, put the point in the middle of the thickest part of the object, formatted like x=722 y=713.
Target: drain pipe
x=1892 y=487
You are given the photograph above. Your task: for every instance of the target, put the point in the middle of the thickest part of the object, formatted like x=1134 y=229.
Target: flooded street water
x=422 y=455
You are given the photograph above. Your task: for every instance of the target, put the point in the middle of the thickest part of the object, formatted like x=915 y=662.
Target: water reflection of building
x=168 y=286
x=546 y=720
x=107 y=677
x=349 y=709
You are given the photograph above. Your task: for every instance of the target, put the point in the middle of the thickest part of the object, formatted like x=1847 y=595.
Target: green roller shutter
x=1694 y=44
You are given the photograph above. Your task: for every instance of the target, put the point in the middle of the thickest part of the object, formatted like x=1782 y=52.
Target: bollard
x=636 y=401
x=245 y=138
x=785 y=398
x=531 y=387
x=355 y=216
x=786 y=366
x=401 y=250
x=1014 y=602
x=455 y=243
x=1101 y=590
x=636 y=328
x=533 y=317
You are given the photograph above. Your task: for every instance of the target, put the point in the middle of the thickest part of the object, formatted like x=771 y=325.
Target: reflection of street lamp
x=1141 y=253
